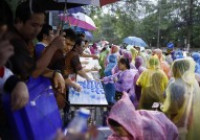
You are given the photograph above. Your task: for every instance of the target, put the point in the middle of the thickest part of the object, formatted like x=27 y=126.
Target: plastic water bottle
x=79 y=123
x=93 y=85
x=93 y=94
x=89 y=84
x=85 y=84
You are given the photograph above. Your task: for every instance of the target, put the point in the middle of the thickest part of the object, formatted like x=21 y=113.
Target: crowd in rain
x=152 y=94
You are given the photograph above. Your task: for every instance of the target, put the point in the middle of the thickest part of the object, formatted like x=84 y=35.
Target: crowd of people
x=151 y=94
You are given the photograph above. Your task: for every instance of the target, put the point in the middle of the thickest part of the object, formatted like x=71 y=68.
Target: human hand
x=60 y=135
x=59 y=28
x=95 y=57
x=77 y=87
x=19 y=96
x=59 y=82
x=58 y=42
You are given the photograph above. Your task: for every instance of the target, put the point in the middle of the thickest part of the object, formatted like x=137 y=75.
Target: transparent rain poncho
x=153 y=65
x=140 y=124
x=153 y=82
x=196 y=57
x=102 y=61
x=155 y=92
x=182 y=103
x=163 y=64
x=134 y=53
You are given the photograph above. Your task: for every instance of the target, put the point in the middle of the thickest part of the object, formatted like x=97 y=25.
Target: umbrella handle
x=65 y=13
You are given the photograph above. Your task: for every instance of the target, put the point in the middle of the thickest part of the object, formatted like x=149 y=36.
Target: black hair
x=113 y=123
x=79 y=42
x=24 y=12
x=6 y=16
x=21 y=63
x=81 y=35
x=45 y=31
x=70 y=34
x=126 y=62
x=104 y=49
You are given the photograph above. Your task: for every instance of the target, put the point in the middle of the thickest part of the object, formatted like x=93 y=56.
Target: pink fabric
x=142 y=124
x=77 y=22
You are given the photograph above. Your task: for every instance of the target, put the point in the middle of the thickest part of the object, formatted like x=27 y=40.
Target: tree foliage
x=177 y=21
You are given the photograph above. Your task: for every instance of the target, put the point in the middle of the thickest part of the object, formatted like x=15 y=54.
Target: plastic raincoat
x=183 y=99
x=102 y=61
x=134 y=53
x=155 y=92
x=150 y=86
x=126 y=54
x=110 y=87
x=196 y=57
x=141 y=124
x=123 y=80
x=138 y=64
x=163 y=64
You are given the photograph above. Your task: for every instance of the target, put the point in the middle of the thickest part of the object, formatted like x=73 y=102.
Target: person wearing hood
x=139 y=66
x=110 y=87
x=183 y=99
x=123 y=80
x=102 y=60
x=126 y=54
x=145 y=81
x=163 y=64
x=127 y=123
x=196 y=57
x=134 y=53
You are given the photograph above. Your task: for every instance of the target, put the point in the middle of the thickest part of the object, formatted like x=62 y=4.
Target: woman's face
x=121 y=131
x=121 y=66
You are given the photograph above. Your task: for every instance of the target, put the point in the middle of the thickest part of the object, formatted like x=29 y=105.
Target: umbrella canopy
x=91 y=2
x=136 y=41
x=56 y=5
x=80 y=20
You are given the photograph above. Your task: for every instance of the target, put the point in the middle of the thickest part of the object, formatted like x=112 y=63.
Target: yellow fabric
x=145 y=77
x=154 y=90
x=175 y=104
x=134 y=53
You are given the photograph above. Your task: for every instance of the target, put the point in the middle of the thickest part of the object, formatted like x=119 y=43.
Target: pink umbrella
x=80 y=20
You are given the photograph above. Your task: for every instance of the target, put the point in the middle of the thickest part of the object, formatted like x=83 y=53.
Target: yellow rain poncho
x=134 y=53
x=182 y=103
x=153 y=82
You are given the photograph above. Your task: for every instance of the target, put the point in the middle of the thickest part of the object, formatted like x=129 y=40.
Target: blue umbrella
x=136 y=41
x=88 y=34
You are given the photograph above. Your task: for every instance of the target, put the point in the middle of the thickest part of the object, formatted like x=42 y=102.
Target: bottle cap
x=84 y=112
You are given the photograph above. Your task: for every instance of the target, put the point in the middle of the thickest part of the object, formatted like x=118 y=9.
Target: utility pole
x=158 y=34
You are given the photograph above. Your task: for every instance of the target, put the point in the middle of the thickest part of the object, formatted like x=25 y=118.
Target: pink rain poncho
x=163 y=64
x=142 y=124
